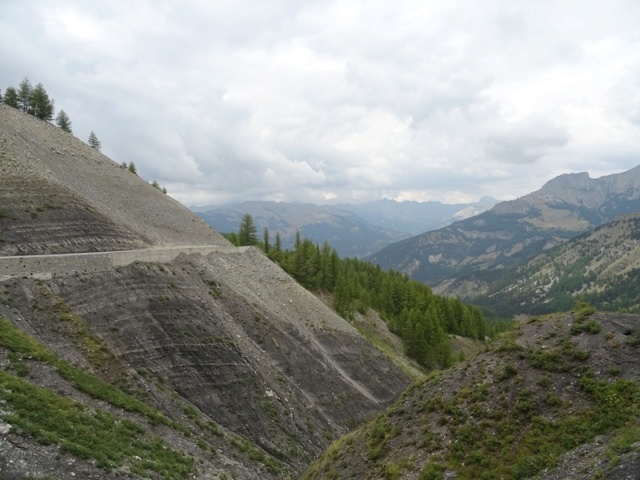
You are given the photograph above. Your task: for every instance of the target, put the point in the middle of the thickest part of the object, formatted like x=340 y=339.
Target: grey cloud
x=526 y=142
x=227 y=101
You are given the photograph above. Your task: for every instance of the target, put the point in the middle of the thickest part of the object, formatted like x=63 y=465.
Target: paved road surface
x=48 y=266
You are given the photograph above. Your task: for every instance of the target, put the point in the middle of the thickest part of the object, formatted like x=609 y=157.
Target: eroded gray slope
x=231 y=334
x=227 y=340
x=51 y=182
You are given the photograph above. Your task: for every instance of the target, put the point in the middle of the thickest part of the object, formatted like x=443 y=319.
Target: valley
x=138 y=342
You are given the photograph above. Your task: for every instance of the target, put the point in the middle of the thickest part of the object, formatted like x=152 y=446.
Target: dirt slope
x=58 y=195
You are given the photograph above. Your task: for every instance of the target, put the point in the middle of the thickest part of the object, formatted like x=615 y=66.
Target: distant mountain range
x=353 y=230
x=417 y=217
x=601 y=267
x=450 y=259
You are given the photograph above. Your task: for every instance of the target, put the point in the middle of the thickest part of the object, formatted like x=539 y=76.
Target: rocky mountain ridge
x=601 y=267
x=514 y=231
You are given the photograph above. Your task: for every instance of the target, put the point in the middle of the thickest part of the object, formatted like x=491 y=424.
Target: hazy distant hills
x=417 y=217
x=601 y=266
x=353 y=230
x=514 y=231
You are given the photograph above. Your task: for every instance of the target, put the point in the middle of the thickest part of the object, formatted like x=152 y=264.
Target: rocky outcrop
x=230 y=334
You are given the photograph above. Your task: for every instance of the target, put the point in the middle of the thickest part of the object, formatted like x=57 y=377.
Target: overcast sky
x=340 y=101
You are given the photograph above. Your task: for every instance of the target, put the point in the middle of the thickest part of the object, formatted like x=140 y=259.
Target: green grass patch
x=379 y=434
x=88 y=434
x=96 y=349
x=495 y=449
x=19 y=342
x=258 y=455
x=589 y=326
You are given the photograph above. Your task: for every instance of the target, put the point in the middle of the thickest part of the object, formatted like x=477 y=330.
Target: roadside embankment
x=49 y=266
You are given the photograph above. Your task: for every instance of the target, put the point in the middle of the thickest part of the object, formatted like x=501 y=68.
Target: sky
x=224 y=101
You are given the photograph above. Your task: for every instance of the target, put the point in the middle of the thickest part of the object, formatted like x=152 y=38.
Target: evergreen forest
x=411 y=310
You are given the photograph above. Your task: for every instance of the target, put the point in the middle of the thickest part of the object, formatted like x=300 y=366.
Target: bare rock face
x=41 y=217
x=211 y=367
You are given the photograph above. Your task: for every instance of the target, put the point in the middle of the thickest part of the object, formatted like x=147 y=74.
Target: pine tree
x=95 y=143
x=11 y=97
x=278 y=244
x=132 y=168
x=63 y=121
x=40 y=105
x=247 y=232
x=24 y=94
x=265 y=239
x=275 y=253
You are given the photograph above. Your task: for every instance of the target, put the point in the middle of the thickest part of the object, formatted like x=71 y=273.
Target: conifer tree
x=95 y=143
x=278 y=243
x=63 y=121
x=265 y=240
x=247 y=232
x=24 y=94
x=11 y=97
x=40 y=105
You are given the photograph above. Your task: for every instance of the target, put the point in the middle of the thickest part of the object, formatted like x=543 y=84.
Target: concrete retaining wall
x=48 y=266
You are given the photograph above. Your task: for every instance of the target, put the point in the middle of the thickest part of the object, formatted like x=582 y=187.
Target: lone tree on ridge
x=93 y=141
x=63 y=121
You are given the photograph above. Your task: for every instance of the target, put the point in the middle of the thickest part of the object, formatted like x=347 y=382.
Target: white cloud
x=225 y=101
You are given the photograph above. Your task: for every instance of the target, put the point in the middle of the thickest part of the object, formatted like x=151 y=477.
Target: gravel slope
x=37 y=150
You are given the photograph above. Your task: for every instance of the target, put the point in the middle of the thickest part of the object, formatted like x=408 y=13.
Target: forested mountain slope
x=601 y=267
x=208 y=367
x=514 y=231
x=354 y=230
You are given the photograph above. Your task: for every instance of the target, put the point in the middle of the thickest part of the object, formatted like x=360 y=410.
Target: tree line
x=36 y=101
x=412 y=311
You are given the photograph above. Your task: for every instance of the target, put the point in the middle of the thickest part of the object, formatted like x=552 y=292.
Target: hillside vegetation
x=422 y=320
x=557 y=398
x=601 y=267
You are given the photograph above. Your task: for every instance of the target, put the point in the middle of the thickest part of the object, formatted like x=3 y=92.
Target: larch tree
x=24 y=95
x=40 y=105
x=11 y=97
x=265 y=239
x=247 y=233
x=94 y=142
x=63 y=121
